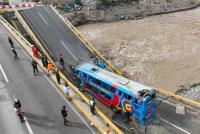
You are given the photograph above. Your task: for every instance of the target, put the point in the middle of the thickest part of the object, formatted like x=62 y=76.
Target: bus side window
x=119 y=93
x=97 y=82
x=129 y=97
x=112 y=89
x=105 y=95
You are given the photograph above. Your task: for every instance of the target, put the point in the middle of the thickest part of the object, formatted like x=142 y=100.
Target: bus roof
x=121 y=82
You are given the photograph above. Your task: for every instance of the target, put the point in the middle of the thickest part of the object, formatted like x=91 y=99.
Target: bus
x=118 y=92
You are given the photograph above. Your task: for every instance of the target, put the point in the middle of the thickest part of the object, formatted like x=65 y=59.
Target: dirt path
x=161 y=51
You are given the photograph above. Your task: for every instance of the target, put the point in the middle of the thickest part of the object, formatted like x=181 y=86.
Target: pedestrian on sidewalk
x=92 y=105
x=44 y=61
x=64 y=114
x=35 y=51
x=107 y=129
x=11 y=42
x=50 y=67
x=62 y=63
x=15 y=53
x=67 y=90
x=57 y=76
x=35 y=68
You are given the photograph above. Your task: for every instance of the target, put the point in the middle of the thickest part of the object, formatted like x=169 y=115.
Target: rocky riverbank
x=92 y=11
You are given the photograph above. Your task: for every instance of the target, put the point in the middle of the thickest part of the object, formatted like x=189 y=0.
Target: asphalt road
x=40 y=99
x=55 y=36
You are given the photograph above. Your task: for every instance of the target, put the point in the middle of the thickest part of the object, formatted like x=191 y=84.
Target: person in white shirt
x=67 y=90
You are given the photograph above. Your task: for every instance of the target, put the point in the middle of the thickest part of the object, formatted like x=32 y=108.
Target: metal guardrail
x=94 y=51
x=115 y=128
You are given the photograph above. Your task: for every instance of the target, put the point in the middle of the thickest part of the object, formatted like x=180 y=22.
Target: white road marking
x=70 y=105
x=4 y=74
x=183 y=130
x=167 y=102
x=68 y=50
x=28 y=126
x=43 y=18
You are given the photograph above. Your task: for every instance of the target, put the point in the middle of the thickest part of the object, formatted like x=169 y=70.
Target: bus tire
x=114 y=109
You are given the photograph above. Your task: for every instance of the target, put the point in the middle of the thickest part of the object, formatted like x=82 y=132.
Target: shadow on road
x=40 y=120
x=76 y=125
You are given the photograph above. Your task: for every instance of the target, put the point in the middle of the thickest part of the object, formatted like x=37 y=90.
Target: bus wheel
x=114 y=109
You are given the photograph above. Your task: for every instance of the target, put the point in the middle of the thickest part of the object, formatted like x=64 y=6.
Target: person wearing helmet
x=64 y=114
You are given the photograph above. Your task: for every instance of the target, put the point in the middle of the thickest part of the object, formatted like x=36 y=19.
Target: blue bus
x=118 y=92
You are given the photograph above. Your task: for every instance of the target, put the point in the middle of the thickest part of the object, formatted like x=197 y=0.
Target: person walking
x=67 y=90
x=62 y=63
x=57 y=76
x=11 y=42
x=44 y=61
x=92 y=106
x=64 y=113
x=35 y=68
x=15 y=53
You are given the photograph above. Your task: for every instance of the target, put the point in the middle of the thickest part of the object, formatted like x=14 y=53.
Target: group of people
x=49 y=66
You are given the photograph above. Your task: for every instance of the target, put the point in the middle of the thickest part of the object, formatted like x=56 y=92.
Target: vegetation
x=78 y=2
x=115 y=2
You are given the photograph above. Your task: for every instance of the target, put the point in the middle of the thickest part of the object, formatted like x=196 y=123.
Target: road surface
x=54 y=35
x=40 y=99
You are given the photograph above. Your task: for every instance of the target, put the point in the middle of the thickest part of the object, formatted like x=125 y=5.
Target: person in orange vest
x=35 y=52
x=50 y=67
x=107 y=129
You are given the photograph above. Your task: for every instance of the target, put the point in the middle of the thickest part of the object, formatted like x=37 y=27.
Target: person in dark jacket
x=62 y=63
x=15 y=53
x=57 y=76
x=35 y=68
x=44 y=61
x=11 y=42
x=64 y=113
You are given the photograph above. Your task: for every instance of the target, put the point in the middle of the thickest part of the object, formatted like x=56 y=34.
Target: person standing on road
x=67 y=90
x=50 y=67
x=62 y=63
x=57 y=76
x=15 y=53
x=44 y=61
x=35 y=68
x=92 y=106
x=11 y=42
x=64 y=114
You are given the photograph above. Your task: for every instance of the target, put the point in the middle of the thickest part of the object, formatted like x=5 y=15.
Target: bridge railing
x=187 y=102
